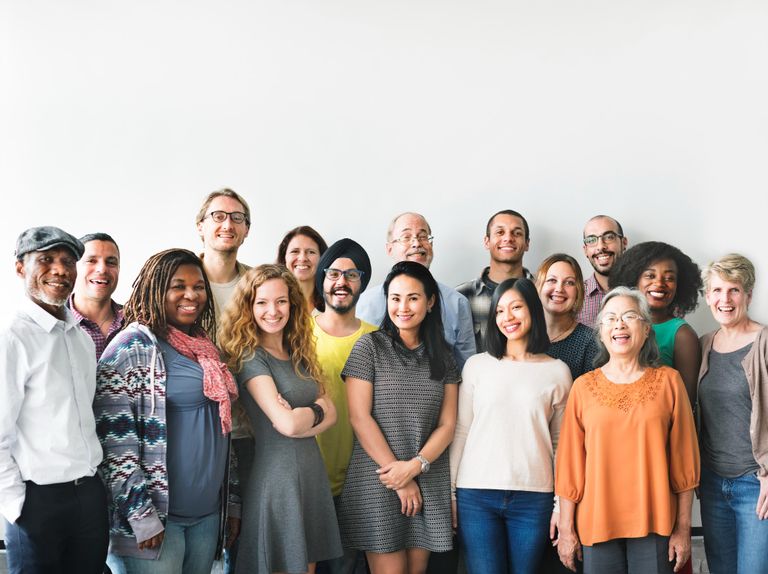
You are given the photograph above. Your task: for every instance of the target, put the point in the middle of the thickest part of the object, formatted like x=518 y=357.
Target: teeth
x=725 y=309
x=657 y=294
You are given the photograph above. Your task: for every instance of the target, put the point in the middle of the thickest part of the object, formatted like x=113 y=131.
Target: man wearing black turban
x=343 y=273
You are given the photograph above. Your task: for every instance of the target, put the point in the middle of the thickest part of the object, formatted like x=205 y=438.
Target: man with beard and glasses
x=409 y=238
x=91 y=302
x=604 y=242
x=53 y=502
x=507 y=238
x=343 y=273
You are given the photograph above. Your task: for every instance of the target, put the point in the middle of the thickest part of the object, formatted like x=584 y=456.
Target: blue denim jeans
x=735 y=540
x=503 y=531
x=189 y=547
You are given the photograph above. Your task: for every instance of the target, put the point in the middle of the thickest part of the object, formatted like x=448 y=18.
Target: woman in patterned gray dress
x=402 y=392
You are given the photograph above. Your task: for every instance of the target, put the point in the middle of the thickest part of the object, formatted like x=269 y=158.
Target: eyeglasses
x=627 y=318
x=607 y=237
x=351 y=275
x=221 y=216
x=407 y=239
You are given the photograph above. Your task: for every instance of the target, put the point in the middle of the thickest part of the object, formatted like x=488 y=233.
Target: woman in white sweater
x=511 y=404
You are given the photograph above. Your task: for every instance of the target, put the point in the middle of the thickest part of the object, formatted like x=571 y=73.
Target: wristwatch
x=424 y=463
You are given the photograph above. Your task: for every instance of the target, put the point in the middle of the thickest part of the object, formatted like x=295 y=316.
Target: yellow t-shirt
x=336 y=442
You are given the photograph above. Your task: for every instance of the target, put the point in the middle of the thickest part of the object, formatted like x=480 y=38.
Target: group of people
x=296 y=419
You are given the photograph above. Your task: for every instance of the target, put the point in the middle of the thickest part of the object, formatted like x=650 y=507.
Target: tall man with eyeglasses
x=604 y=242
x=343 y=273
x=223 y=222
x=507 y=238
x=409 y=238
x=54 y=503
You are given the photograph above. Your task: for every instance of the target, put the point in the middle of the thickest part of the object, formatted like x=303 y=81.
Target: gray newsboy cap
x=45 y=238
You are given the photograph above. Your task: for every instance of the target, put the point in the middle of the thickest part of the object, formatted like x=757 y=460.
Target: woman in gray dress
x=403 y=396
x=289 y=522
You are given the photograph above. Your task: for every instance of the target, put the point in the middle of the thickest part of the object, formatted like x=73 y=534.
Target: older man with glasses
x=604 y=242
x=409 y=238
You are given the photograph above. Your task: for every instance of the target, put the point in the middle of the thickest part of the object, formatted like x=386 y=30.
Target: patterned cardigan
x=131 y=424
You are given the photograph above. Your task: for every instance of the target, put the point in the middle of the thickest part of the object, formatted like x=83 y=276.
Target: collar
x=80 y=318
x=44 y=319
x=591 y=285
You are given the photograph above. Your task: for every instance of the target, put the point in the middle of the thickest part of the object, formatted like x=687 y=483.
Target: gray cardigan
x=756 y=369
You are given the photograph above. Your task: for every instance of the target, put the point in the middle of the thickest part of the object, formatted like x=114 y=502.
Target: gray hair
x=649 y=353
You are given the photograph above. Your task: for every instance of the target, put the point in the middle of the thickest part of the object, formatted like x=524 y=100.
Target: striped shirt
x=92 y=329
x=593 y=298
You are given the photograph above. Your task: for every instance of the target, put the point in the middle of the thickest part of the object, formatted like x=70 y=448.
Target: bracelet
x=318 y=412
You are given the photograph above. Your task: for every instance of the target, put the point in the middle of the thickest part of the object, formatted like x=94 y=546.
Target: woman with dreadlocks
x=163 y=411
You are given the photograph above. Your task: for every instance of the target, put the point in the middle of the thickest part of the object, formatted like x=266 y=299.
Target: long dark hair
x=431 y=328
x=146 y=305
x=538 y=341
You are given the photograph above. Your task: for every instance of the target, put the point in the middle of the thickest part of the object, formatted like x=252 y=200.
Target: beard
x=43 y=297
x=345 y=308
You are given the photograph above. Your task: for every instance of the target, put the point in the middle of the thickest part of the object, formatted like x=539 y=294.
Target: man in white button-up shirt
x=53 y=502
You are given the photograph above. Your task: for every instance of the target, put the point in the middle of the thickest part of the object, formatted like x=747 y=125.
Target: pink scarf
x=218 y=383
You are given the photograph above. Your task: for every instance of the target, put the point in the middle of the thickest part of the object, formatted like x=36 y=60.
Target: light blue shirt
x=456 y=314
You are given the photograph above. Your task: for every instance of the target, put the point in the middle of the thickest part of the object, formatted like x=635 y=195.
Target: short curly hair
x=636 y=259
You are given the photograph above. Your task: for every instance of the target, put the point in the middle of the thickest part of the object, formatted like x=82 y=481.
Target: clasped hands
x=398 y=476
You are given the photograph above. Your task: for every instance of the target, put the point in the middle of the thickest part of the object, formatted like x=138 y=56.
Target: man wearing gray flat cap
x=343 y=273
x=51 y=498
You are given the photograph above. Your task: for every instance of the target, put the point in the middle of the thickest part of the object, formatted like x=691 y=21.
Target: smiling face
x=186 y=298
x=506 y=240
x=603 y=254
x=658 y=282
x=408 y=304
x=226 y=236
x=341 y=295
x=301 y=257
x=49 y=277
x=272 y=306
x=413 y=226
x=625 y=337
x=513 y=318
x=559 y=290
x=98 y=271
x=728 y=301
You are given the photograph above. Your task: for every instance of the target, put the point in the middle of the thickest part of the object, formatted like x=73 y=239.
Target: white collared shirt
x=47 y=384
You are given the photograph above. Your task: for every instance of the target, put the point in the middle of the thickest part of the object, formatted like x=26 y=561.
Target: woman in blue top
x=671 y=283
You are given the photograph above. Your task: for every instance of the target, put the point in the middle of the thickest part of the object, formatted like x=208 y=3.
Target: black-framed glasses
x=408 y=238
x=221 y=216
x=627 y=318
x=351 y=275
x=607 y=237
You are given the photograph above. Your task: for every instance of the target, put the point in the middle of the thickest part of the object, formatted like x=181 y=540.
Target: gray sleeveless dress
x=288 y=514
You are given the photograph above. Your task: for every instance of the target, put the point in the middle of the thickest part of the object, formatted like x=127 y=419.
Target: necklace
x=563 y=334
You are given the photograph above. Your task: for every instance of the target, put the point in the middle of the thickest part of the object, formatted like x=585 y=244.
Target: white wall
x=122 y=116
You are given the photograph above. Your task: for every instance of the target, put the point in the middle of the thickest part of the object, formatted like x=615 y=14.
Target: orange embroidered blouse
x=624 y=453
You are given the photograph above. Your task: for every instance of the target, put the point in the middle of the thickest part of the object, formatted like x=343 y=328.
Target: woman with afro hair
x=671 y=283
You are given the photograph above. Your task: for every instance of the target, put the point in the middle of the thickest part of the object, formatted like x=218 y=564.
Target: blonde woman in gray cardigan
x=733 y=423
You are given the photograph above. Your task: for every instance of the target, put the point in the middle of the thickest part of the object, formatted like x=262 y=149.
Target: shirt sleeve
x=571 y=460
x=12 y=383
x=465 y=332
x=463 y=422
x=117 y=423
x=684 y=463
x=360 y=363
x=255 y=367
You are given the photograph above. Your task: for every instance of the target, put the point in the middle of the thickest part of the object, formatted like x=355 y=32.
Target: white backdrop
x=122 y=116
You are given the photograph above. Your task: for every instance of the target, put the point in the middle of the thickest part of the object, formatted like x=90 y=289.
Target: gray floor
x=699 y=562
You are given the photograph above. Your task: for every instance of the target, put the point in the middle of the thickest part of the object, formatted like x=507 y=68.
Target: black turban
x=348 y=249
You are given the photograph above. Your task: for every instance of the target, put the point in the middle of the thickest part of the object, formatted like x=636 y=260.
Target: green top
x=336 y=442
x=665 y=339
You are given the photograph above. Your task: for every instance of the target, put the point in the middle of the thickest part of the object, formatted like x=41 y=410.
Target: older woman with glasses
x=733 y=424
x=628 y=460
